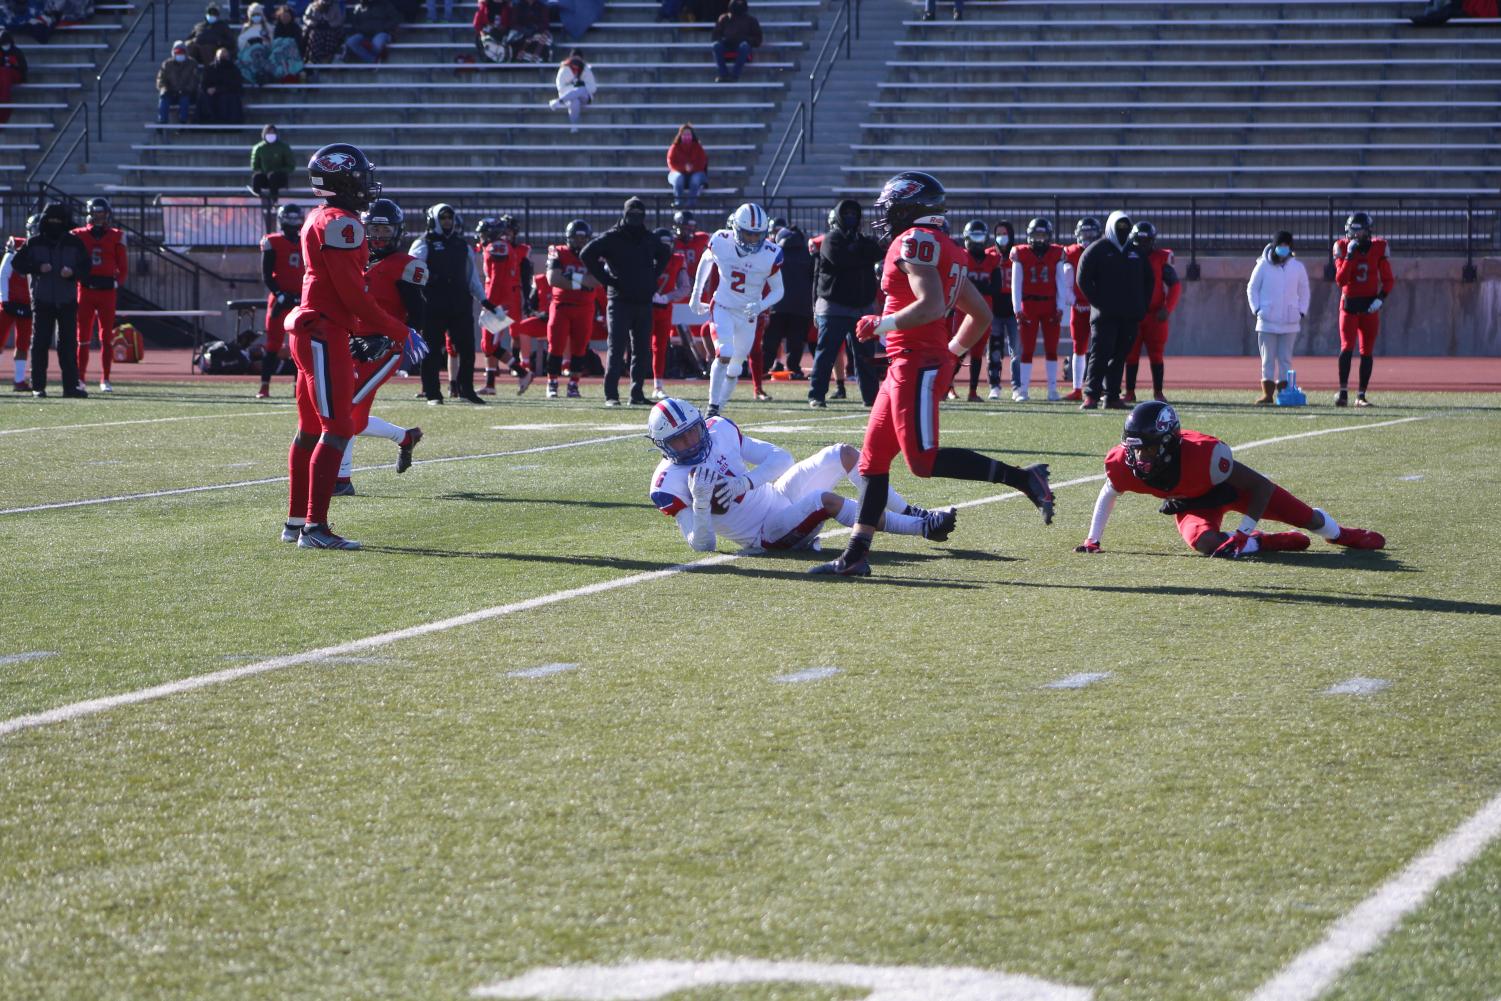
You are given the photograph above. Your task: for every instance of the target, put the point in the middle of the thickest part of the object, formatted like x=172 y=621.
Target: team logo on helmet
x=899 y=188
x=335 y=161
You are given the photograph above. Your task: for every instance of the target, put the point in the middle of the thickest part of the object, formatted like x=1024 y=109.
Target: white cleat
x=323 y=537
x=659 y=393
x=1053 y=396
x=995 y=393
x=105 y=387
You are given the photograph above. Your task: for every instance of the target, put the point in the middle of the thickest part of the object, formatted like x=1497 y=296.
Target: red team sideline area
x=1429 y=375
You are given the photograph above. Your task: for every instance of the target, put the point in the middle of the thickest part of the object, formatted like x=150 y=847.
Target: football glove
x=1087 y=546
x=699 y=307
x=1232 y=547
x=415 y=348
x=701 y=483
x=752 y=311
x=728 y=490
x=370 y=348
x=1375 y=306
x=1173 y=505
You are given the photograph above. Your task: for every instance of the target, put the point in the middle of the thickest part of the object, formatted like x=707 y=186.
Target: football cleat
x=524 y=380
x=552 y=389
x=470 y=396
x=1281 y=542
x=974 y=396
x=344 y=488
x=1361 y=401
x=612 y=403
x=1038 y=491
x=264 y=393
x=1053 y=396
x=39 y=394
x=1359 y=538
x=1090 y=403
x=838 y=393
x=1343 y=399
x=404 y=453
x=1159 y=398
x=435 y=401
x=839 y=568
x=323 y=537
x=24 y=386
x=817 y=404
x=937 y=526
x=290 y=532
x=105 y=387
x=573 y=391
x=1077 y=396
x=1129 y=396
x=713 y=410
x=763 y=396
x=486 y=391
x=995 y=393
x=659 y=393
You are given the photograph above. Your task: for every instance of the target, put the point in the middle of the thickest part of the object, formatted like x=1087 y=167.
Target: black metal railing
x=841 y=32
x=799 y=149
x=69 y=128
x=147 y=38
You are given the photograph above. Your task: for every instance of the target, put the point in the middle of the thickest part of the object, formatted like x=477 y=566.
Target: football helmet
x=383 y=213
x=1358 y=226
x=289 y=217
x=665 y=235
x=1153 y=439
x=909 y=198
x=684 y=223
x=670 y=422
x=749 y=225
x=577 y=234
x=33 y=225
x=1087 y=230
x=976 y=234
x=98 y=211
x=435 y=220
x=344 y=175
x=1144 y=235
x=508 y=224
x=1039 y=233
x=485 y=230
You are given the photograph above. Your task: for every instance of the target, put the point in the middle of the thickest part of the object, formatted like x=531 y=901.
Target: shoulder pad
x=415 y=272
x=1221 y=461
x=1380 y=241
x=919 y=246
x=777 y=258
x=344 y=233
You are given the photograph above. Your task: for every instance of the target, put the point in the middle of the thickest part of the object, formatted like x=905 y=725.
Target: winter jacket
x=267 y=158
x=1278 y=294
x=1116 y=279
x=374 y=17
x=67 y=251
x=494 y=16
x=567 y=80
x=797 y=275
x=174 y=77
x=634 y=259
x=222 y=78
x=687 y=157
x=844 y=273
x=733 y=29
x=215 y=36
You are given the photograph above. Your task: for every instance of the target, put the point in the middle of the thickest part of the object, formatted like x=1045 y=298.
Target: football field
x=527 y=744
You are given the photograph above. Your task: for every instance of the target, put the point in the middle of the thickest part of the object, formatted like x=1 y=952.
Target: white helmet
x=670 y=421
x=749 y=226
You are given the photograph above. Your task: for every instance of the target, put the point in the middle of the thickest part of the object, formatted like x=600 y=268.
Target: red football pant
x=276 y=331
x=368 y=377
x=904 y=418
x=661 y=336
x=568 y=328
x=1028 y=322
x=490 y=343
x=1078 y=328
x=1283 y=507
x=22 y=326
x=1153 y=335
x=325 y=379
x=95 y=305
x=1359 y=326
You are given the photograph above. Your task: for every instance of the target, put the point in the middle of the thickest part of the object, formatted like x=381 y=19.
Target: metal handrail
x=824 y=67
x=100 y=97
x=62 y=132
x=799 y=147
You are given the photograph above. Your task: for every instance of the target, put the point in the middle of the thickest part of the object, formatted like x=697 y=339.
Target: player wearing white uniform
x=747 y=266
x=715 y=480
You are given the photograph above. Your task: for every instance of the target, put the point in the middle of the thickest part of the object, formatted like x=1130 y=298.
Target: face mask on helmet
x=1087 y=232
x=677 y=429
x=749 y=225
x=1038 y=239
x=1152 y=438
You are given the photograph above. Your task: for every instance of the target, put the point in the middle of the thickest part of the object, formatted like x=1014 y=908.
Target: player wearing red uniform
x=15 y=307
x=1363 y=272
x=1200 y=482
x=575 y=298
x=673 y=286
x=985 y=267
x=1086 y=231
x=1153 y=330
x=691 y=242
x=109 y=266
x=281 y=270
x=923 y=279
x=334 y=305
x=508 y=274
x=1042 y=288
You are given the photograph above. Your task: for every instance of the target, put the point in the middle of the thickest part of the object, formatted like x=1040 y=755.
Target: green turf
x=417 y=822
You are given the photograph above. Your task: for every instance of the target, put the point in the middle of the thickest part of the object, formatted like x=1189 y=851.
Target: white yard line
x=92 y=706
x=263 y=412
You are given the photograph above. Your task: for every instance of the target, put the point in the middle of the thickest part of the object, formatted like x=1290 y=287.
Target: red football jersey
x=286 y=266
x=1204 y=462
x=333 y=284
x=107 y=257
x=1039 y=272
x=692 y=248
x=382 y=278
x=1363 y=275
x=921 y=246
x=1072 y=253
x=668 y=279
x=1162 y=295
x=503 y=270
x=562 y=256
x=18 y=289
x=544 y=292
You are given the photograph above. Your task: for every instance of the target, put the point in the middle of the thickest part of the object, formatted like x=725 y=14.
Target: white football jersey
x=729 y=452
x=742 y=278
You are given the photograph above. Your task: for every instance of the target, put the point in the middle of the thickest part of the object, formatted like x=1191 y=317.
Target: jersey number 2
x=737 y=281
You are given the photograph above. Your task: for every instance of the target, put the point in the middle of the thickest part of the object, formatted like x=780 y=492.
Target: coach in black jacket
x=1117 y=279
x=628 y=260
x=53 y=261
x=844 y=285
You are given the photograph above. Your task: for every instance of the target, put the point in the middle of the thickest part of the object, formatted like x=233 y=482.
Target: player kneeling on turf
x=716 y=480
x=1200 y=482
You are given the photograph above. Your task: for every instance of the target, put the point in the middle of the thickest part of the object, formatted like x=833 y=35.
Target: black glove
x=487 y=304
x=1215 y=497
x=1173 y=505
x=281 y=299
x=18 y=309
x=369 y=348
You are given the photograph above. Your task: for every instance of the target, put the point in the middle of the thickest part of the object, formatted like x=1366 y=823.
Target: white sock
x=1026 y=376
x=1079 y=363
x=346 y=464
x=716 y=382
x=378 y=428
x=1052 y=367
x=1330 y=530
x=848 y=512
x=20 y=369
x=1251 y=546
x=901 y=524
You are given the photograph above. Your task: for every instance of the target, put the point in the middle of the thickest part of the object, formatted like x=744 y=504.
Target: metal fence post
x=1469 y=274
x=1193 y=240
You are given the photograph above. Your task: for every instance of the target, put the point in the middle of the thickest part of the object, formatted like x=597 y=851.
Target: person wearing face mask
x=1086 y=231
x=222 y=86
x=53 y=261
x=844 y=286
x=210 y=35
x=1153 y=333
x=453 y=284
x=1278 y=296
x=177 y=81
x=687 y=167
x=628 y=260
x=271 y=164
x=570 y=311
x=15 y=306
x=1117 y=279
x=13 y=70
x=1005 y=337
x=1363 y=272
x=256 y=27
x=736 y=33
x=984 y=264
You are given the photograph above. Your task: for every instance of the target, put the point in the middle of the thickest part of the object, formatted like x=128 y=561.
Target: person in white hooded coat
x=1278 y=297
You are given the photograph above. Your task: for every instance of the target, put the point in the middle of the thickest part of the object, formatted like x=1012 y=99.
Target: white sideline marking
x=1362 y=929
x=21 y=658
x=1078 y=680
x=810 y=674
x=1415 y=477
x=645 y=981
x=1358 y=686
x=262 y=412
x=545 y=671
x=597 y=428
x=91 y=706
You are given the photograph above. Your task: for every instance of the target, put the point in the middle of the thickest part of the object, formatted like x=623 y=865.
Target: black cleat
x=1038 y=491
x=344 y=488
x=713 y=411
x=404 y=454
x=323 y=537
x=938 y=525
x=839 y=568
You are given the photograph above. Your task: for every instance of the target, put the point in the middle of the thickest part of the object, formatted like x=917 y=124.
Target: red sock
x=325 y=475
x=299 y=469
x=83 y=363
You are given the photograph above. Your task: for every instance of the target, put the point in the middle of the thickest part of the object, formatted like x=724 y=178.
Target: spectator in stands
x=707 y=11
x=176 y=83
x=256 y=26
x=1278 y=296
x=29 y=17
x=844 y=284
x=790 y=318
x=53 y=261
x=687 y=167
x=219 y=101
x=492 y=23
x=738 y=33
x=372 y=23
x=261 y=63
x=1439 y=11
x=210 y=35
x=284 y=25
x=271 y=165
x=576 y=87
x=12 y=70
x=930 y=10
x=531 y=37
x=323 y=31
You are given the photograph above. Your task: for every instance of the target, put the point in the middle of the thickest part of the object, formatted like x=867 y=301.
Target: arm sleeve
x=475 y=282
x=776 y=288
x=122 y=261
x=1016 y=287
x=268 y=265
x=414 y=301
x=1103 y=505
x=7 y=267
x=770 y=461
x=1174 y=290
x=1065 y=286
x=1304 y=298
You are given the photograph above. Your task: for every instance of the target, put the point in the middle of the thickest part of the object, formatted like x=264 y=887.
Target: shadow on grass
x=1288 y=596
x=483 y=498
